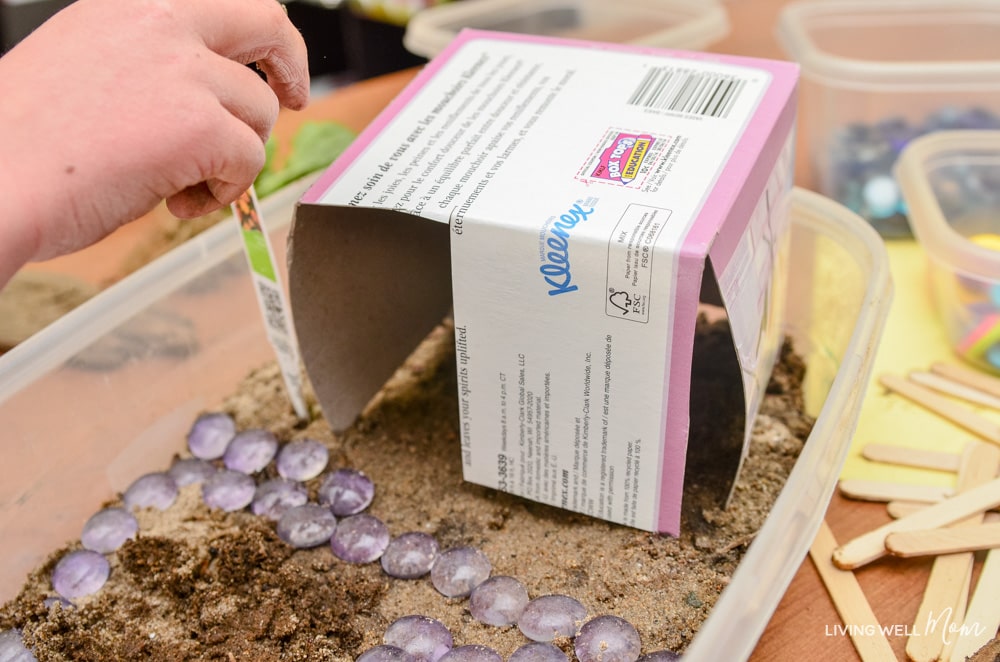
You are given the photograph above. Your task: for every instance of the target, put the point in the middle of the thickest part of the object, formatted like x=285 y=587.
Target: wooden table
x=803 y=626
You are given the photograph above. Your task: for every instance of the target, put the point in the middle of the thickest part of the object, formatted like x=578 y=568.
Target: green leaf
x=314 y=146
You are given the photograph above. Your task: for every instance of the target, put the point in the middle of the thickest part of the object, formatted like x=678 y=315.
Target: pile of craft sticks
x=950 y=524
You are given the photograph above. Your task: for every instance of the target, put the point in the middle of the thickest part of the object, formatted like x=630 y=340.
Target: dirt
x=198 y=584
x=32 y=300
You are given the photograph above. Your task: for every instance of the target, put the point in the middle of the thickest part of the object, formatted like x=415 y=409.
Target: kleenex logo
x=556 y=267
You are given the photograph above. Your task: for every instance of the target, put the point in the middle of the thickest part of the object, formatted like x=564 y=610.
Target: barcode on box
x=687 y=91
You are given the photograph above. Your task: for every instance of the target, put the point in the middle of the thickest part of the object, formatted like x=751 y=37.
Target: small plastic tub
x=98 y=398
x=680 y=24
x=878 y=73
x=951 y=183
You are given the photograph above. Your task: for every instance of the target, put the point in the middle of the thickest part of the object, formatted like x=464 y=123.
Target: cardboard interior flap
x=367 y=286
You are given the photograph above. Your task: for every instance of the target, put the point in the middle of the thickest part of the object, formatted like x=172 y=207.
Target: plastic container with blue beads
x=951 y=184
x=877 y=74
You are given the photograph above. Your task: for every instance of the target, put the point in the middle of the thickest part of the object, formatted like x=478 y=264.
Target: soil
x=198 y=584
x=32 y=300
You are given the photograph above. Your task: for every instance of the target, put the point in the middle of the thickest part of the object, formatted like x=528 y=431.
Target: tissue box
x=575 y=204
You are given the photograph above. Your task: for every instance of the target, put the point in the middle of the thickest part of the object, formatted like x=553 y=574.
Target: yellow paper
x=913 y=339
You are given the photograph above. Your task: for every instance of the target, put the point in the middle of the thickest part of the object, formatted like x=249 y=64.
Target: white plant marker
x=270 y=296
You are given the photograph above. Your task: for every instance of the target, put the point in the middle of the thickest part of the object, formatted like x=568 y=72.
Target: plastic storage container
x=877 y=73
x=680 y=24
x=951 y=183
x=98 y=398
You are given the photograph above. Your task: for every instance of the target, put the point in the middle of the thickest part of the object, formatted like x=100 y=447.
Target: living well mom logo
x=938 y=625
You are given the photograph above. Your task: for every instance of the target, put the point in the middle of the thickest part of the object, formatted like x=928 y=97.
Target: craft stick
x=850 y=601
x=943 y=407
x=947 y=587
x=982 y=618
x=871 y=546
x=956 y=618
x=911 y=457
x=876 y=490
x=945 y=540
x=947 y=386
x=969 y=377
x=897 y=509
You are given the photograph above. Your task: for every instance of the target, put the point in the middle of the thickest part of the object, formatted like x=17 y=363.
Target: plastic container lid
x=904 y=44
x=679 y=24
x=931 y=224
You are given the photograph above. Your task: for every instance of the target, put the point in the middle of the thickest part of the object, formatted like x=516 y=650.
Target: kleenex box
x=576 y=205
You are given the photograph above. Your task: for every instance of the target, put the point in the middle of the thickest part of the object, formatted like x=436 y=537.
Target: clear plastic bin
x=96 y=399
x=877 y=73
x=680 y=24
x=951 y=183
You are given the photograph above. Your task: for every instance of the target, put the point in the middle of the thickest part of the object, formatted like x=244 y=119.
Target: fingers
x=244 y=95
x=229 y=159
x=258 y=31
x=204 y=198
x=238 y=159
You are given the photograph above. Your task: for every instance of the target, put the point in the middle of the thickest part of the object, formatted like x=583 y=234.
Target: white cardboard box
x=576 y=204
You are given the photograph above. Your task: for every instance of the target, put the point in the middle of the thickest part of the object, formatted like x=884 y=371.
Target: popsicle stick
x=963 y=602
x=876 y=490
x=849 y=600
x=929 y=542
x=911 y=457
x=948 y=583
x=897 y=509
x=968 y=377
x=982 y=618
x=942 y=384
x=943 y=407
x=871 y=545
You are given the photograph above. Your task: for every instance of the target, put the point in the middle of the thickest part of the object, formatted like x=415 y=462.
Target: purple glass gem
x=425 y=638
x=382 y=653
x=12 y=648
x=210 y=434
x=347 y=492
x=359 y=539
x=410 y=555
x=305 y=526
x=190 y=470
x=272 y=498
x=228 y=490
x=108 y=529
x=154 y=490
x=250 y=451
x=302 y=459
x=498 y=601
x=538 y=651
x=472 y=653
x=660 y=656
x=80 y=573
x=550 y=616
x=459 y=570
x=607 y=639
